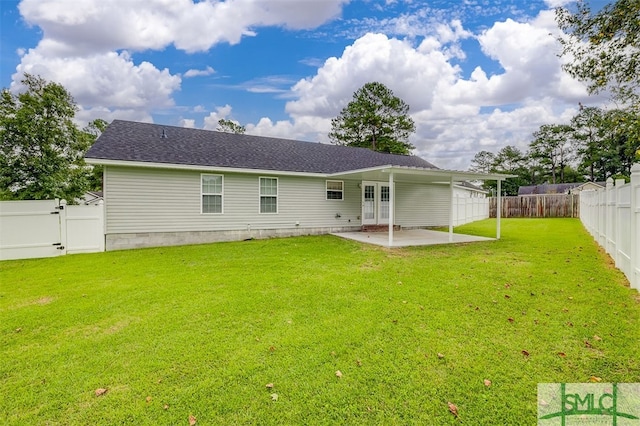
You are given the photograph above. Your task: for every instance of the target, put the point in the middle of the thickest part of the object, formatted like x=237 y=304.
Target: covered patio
x=410 y=237
x=390 y=175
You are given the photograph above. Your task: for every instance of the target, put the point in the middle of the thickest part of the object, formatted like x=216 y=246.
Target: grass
x=201 y=330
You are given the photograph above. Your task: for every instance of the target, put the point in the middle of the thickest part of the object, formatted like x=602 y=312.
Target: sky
x=477 y=74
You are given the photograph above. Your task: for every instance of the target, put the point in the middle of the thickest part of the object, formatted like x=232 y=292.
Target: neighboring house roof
x=92 y=197
x=589 y=185
x=469 y=185
x=159 y=144
x=557 y=188
x=548 y=188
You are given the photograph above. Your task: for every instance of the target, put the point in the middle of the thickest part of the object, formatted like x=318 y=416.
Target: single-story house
x=168 y=185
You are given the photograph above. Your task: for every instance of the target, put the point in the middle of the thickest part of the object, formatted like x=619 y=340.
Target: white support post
x=634 y=279
x=392 y=196
x=451 y=209
x=498 y=210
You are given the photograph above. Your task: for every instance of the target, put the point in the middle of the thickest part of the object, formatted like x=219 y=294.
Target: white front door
x=375 y=203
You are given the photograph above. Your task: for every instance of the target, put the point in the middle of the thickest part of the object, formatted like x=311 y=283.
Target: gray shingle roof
x=469 y=185
x=143 y=142
x=547 y=188
x=552 y=188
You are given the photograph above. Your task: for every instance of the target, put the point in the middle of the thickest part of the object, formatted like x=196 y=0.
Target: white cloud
x=269 y=84
x=85 y=44
x=198 y=73
x=266 y=127
x=211 y=121
x=86 y=47
x=412 y=74
x=308 y=128
x=106 y=83
x=84 y=116
x=85 y=26
x=188 y=123
x=455 y=117
x=312 y=62
x=108 y=79
x=558 y=3
x=451 y=32
x=452 y=143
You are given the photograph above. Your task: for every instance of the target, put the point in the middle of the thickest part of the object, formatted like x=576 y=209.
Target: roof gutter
x=422 y=171
x=446 y=175
x=171 y=166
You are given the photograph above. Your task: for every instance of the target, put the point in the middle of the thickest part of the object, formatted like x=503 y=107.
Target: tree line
x=603 y=49
x=595 y=145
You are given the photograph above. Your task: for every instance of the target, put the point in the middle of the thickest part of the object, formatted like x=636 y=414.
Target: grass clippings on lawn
x=314 y=330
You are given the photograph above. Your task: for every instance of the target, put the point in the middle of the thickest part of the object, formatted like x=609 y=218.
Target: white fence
x=469 y=209
x=49 y=228
x=612 y=216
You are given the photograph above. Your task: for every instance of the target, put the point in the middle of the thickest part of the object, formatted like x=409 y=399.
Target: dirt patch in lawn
x=41 y=301
x=370 y=266
x=101 y=328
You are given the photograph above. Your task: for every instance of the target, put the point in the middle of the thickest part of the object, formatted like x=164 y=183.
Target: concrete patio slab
x=409 y=237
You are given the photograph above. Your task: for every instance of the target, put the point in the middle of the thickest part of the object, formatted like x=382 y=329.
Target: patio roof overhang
x=419 y=175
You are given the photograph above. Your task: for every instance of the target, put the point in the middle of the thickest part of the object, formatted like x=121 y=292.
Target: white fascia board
x=103 y=162
x=357 y=171
x=456 y=174
x=445 y=174
x=422 y=171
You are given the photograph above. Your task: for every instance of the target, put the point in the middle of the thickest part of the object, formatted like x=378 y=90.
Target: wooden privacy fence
x=547 y=205
x=612 y=217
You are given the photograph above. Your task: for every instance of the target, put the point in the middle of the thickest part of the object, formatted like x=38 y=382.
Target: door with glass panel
x=369 y=210
x=383 y=204
x=375 y=203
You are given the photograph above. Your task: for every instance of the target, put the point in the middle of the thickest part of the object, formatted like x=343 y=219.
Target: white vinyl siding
x=335 y=190
x=139 y=200
x=212 y=193
x=268 y=195
x=422 y=205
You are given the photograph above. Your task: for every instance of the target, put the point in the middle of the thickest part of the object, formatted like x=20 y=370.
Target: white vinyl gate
x=49 y=228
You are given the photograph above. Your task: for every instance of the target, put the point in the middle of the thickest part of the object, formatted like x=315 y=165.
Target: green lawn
x=201 y=330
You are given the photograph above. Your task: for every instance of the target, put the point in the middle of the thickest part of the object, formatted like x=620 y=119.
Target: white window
x=268 y=195
x=211 y=193
x=335 y=190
